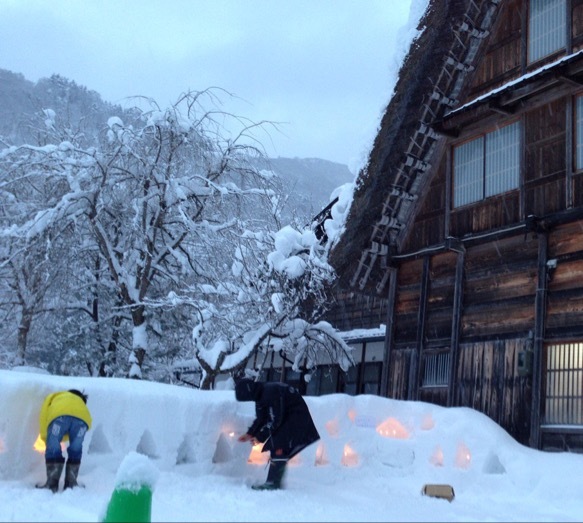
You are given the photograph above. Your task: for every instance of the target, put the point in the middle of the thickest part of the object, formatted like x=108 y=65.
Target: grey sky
x=324 y=68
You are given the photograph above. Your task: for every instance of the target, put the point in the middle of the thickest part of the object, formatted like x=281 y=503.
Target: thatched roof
x=431 y=78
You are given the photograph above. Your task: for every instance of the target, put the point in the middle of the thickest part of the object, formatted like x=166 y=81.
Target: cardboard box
x=439 y=491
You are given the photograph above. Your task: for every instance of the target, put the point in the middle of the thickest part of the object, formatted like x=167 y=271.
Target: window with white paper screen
x=469 y=172
x=502 y=159
x=564 y=384
x=546 y=28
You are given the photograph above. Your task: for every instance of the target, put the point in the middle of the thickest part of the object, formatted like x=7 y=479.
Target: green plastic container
x=130 y=505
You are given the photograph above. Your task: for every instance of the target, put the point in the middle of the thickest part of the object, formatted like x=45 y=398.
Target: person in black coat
x=282 y=423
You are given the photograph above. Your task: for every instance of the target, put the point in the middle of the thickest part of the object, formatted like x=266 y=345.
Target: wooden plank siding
x=565 y=282
x=487 y=382
x=502 y=59
x=499 y=288
x=357 y=311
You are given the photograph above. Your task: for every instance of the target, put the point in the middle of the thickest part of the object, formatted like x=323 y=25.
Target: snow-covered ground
x=373 y=459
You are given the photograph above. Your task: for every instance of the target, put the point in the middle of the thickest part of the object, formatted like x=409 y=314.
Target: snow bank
x=174 y=425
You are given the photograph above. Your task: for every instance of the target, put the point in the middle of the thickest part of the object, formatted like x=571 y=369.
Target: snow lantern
x=463 y=456
x=223 y=450
x=333 y=427
x=39 y=445
x=392 y=428
x=349 y=457
x=256 y=457
x=352 y=415
x=295 y=461
x=427 y=423
x=437 y=457
x=321 y=455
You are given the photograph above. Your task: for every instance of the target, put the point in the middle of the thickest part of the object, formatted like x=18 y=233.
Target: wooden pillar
x=389 y=333
x=539 y=334
x=456 y=322
x=415 y=369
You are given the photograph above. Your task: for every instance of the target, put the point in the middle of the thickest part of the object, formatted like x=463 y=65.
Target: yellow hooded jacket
x=62 y=403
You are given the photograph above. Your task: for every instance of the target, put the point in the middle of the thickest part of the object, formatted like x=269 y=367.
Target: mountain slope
x=307 y=182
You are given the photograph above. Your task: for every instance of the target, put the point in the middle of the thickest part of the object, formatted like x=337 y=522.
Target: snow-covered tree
x=148 y=194
x=270 y=298
x=161 y=238
x=29 y=244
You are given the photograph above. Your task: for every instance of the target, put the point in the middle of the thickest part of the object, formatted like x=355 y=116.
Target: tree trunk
x=139 y=341
x=23 y=330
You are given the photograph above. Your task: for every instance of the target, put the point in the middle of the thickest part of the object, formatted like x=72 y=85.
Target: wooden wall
x=487 y=381
x=499 y=288
x=352 y=310
x=565 y=282
x=502 y=59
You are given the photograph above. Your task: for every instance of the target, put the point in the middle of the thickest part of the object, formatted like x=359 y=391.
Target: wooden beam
x=496 y=107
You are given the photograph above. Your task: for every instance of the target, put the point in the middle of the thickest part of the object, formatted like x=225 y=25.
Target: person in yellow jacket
x=64 y=416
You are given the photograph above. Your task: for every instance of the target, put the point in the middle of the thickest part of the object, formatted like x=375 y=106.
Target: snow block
x=128 y=504
x=439 y=491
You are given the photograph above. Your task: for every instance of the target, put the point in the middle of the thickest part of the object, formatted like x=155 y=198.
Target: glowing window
x=564 y=384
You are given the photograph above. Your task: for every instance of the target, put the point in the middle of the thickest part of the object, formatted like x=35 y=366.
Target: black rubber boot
x=274 y=475
x=71 y=473
x=54 y=470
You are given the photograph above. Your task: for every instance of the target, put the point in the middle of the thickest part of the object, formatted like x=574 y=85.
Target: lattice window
x=487 y=165
x=547 y=33
x=502 y=160
x=564 y=384
x=436 y=369
x=469 y=172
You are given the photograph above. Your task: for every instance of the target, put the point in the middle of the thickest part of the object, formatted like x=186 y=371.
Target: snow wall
x=174 y=425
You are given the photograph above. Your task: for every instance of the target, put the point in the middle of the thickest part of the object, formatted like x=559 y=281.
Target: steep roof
x=431 y=80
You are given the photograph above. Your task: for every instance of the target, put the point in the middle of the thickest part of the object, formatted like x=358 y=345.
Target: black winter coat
x=282 y=419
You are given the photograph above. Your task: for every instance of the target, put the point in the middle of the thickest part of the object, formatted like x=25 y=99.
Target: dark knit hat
x=247 y=390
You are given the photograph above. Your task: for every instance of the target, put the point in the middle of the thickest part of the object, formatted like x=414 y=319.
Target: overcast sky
x=324 y=68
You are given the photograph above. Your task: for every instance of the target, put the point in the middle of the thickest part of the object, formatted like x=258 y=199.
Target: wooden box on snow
x=439 y=491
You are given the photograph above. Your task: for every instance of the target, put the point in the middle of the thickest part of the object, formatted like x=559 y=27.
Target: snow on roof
x=516 y=81
x=360 y=334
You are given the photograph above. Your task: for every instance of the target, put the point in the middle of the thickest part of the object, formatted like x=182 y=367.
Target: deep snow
x=374 y=457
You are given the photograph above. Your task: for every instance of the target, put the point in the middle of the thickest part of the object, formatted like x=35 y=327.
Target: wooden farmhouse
x=465 y=234
x=460 y=265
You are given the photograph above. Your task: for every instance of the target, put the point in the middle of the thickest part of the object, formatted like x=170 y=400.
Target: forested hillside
x=307 y=181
